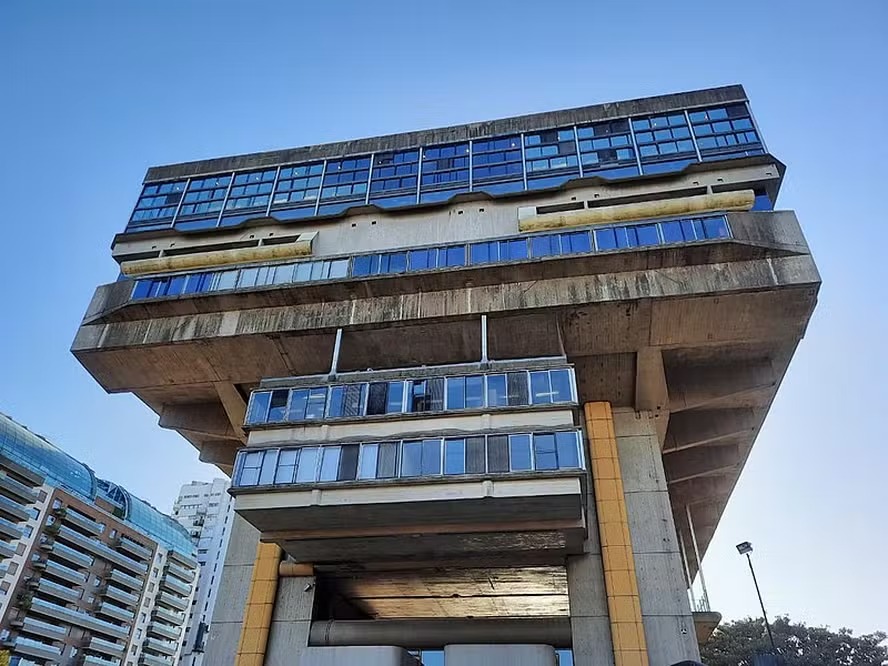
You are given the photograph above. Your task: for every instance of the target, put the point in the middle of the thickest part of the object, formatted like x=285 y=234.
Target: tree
x=736 y=643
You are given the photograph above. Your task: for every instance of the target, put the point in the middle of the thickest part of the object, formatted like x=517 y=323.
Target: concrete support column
x=621 y=585
x=665 y=610
x=260 y=606
x=291 y=623
x=234 y=589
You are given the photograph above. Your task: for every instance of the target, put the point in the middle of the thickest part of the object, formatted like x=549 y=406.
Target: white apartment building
x=205 y=510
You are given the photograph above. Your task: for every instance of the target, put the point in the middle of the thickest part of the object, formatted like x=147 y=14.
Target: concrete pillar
x=291 y=622
x=665 y=610
x=225 y=629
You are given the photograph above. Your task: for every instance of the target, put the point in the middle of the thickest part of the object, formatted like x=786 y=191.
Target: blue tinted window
x=552 y=151
x=661 y=139
x=544 y=452
x=204 y=196
x=394 y=177
x=157 y=204
x=259 y=407
x=345 y=179
x=298 y=186
x=578 y=241
x=544 y=246
x=141 y=289
x=495 y=161
x=453 y=256
x=251 y=190
x=445 y=169
x=725 y=131
x=606 y=146
x=567 y=450
x=762 y=201
x=455 y=456
x=519 y=453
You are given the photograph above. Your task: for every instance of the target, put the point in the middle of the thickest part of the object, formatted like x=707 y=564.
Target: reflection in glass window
x=519 y=453
x=308 y=464
x=157 y=205
x=298 y=186
x=445 y=172
x=369 y=460
x=725 y=132
x=204 y=197
x=544 y=452
x=394 y=178
x=497 y=166
x=269 y=466
x=259 y=407
x=250 y=469
x=278 y=407
x=427 y=395
x=606 y=149
x=329 y=463
x=664 y=139
x=251 y=190
x=497 y=394
x=286 y=471
x=455 y=456
x=549 y=153
x=567 y=447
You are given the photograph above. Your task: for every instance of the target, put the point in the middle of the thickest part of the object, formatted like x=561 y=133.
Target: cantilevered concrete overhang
x=700 y=335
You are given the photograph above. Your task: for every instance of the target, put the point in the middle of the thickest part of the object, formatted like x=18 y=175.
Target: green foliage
x=736 y=643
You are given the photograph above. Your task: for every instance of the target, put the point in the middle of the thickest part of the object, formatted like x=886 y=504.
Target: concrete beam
x=689 y=429
x=695 y=387
x=703 y=461
x=234 y=405
x=701 y=490
x=205 y=419
x=651 y=392
x=218 y=452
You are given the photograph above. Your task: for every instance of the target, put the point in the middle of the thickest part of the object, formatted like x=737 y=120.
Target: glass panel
x=474 y=392
x=519 y=452
x=455 y=456
x=259 y=407
x=369 y=458
x=395 y=398
x=317 y=400
x=517 y=386
x=456 y=392
x=388 y=461
x=278 y=407
x=269 y=467
x=497 y=396
x=286 y=466
x=308 y=464
x=298 y=404
x=411 y=459
x=544 y=452
x=498 y=453
x=377 y=400
x=427 y=395
x=540 y=392
x=431 y=457
x=568 y=450
x=475 y=455
x=329 y=463
x=561 y=385
x=348 y=462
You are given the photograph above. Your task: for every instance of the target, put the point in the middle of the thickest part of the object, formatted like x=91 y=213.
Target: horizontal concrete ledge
x=434 y=633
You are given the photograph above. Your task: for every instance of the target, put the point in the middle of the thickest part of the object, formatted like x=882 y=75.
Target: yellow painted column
x=260 y=606
x=621 y=585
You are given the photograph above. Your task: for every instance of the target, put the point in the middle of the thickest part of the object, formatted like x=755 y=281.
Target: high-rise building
x=483 y=389
x=205 y=509
x=90 y=574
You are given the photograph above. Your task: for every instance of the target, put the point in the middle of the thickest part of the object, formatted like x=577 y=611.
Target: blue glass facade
x=540 y=159
x=603 y=238
x=62 y=471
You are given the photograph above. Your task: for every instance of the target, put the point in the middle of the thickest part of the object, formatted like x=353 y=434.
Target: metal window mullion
x=755 y=126
x=693 y=136
x=635 y=147
x=523 y=161
x=577 y=144
x=369 y=178
x=274 y=184
x=321 y=188
x=419 y=173
x=225 y=199
x=181 y=201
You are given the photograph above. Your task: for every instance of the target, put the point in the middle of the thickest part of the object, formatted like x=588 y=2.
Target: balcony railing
x=170 y=583
x=117 y=612
x=429 y=395
x=155 y=660
x=6 y=550
x=38 y=649
x=163 y=647
x=167 y=615
x=180 y=572
x=165 y=630
x=120 y=595
x=107 y=647
x=135 y=548
x=126 y=580
x=42 y=607
x=93 y=660
x=34 y=626
x=66 y=593
x=82 y=521
x=529 y=247
x=17 y=488
x=13 y=509
x=71 y=555
x=102 y=550
x=171 y=600
x=409 y=458
x=65 y=573
x=10 y=530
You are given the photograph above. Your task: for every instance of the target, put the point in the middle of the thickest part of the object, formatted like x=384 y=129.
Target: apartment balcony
x=117 y=612
x=6 y=550
x=10 y=530
x=187 y=575
x=102 y=550
x=47 y=609
x=69 y=554
x=126 y=580
x=183 y=560
x=136 y=549
x=49 y=630
x=17 y=489
x=45 y=652
x=107 y=647
x=170 y=583
x=504 y=493
x=172 y=601
x=168 y=648
x=93 y=660
x=120 y=595
x=66 y=594
x=82 y=521
x=165 y=630
x=65 y=573
x=148 y=659
x=12 y=509
x=170 y=616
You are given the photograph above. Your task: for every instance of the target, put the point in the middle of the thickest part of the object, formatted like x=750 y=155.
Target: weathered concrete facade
x=494 y=424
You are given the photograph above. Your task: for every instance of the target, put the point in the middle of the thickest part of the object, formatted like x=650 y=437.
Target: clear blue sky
x=95 y=92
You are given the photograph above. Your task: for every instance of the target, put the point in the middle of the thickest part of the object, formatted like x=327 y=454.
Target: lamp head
x=744 y=548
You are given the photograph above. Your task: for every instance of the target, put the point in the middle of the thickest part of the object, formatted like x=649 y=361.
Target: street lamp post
x=745 y=548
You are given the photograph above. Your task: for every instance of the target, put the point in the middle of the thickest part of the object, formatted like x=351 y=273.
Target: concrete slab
x=500 y=655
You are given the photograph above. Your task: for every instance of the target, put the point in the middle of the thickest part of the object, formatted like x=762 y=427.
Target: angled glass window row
x=608 y=149
x=436 y=394
x=410 y=458
x=532 y=246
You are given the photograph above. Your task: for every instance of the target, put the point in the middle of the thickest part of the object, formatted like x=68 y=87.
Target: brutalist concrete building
x=483 y=389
